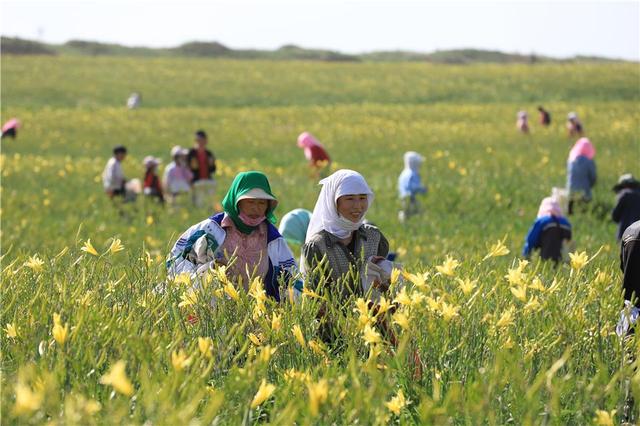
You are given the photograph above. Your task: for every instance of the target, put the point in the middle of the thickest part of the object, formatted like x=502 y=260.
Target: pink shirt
x=250 y=251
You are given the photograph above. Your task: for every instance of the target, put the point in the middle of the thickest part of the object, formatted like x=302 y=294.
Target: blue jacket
x=581 y=176
x=409 y=184
x=533 y=239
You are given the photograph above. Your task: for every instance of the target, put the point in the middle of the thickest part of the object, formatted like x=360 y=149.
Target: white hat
x=150 y=161
x=256 y=193
x=178 y=150
x=572 y=116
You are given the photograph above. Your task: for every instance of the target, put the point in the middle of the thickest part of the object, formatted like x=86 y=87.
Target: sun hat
x=150 y=161
x=626 y=181
x=178 y=150
x=256 y=193
x=572 y=116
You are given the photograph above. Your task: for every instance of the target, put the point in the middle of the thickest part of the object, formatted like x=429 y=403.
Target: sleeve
x=212 y=163
x=533 y=239
x=182 y=258
x=616 y=213
x=566 y=229
x=383 y=246
x=416 y=185
x=592 y=174
x=107 y=176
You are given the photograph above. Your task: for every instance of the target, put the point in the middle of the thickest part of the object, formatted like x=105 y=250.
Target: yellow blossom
x=58 y=331
x=26 y=399
x=88 y=248
x=205 y=345
x=266 y=352
x=403 y=298
x=466 y=285
x=449 y=312
x=578 y=260
x=384 y=305
x=276 y=322
x=448 y=266
x=310 y=293
x=370 y=335
x=536 y=284
x=401 y=319
x=115 y=246
x=417 y=298
x=506 y=319
x=188 y=298
x=117 y=377
x=231 y=291
x=419 y=280
x=515 y=276
x=264 y=392
x=520 y=292
x=604 y=418
x=179 y=360
x=11 y=330
x=318 y=393
x=532 y=305
x=316 y=347
x=149 y=220
x=397 y=403
x=254 y=339
x=362 y=306
x=35 y=263
x=395 y=275
x=434 y=304
x=297 y=333
x=496 y=250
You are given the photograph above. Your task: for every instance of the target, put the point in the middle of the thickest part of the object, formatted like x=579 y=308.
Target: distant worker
x=314 y=152
x=177 y=176
x=581 y=172
x=113 y=179
x=134 y=101
x=574 y=125
x=627 y=208
x=545 y=116
x=293 y=226
x=630 y=265
x=10 y=128
x=202 y=163
x=549 y=233
x=523 y=122
x=152 y=187
x=410 y=185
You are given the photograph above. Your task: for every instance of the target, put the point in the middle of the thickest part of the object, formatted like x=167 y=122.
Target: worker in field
x=550 y=232
x=522 y=122
x=544 y=116
x=293 y=226
x=410 y=185
x=10 y=129
x=177 y=176
x=202 y=163
x=134 y=100
x=574 y=125
x=315 y=153
x=242 y=237
x=581 y=173
x=627 y=208
x=113 y=178
x=152 y=187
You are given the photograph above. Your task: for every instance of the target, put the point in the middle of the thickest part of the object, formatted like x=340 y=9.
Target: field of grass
x=500 y=342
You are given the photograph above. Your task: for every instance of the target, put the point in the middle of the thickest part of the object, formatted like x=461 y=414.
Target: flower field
x=93 y=332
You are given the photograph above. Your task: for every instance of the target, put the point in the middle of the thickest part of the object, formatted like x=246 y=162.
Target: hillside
x=17 y=46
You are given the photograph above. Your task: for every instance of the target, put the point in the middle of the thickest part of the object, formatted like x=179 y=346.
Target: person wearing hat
x=574 y=125
x=293 y=226
x=544 y=116
x=113 y=179
x=152 y=187
x=549 y=233
x=242 y=237
x=581 y=173
x=177 y=176
x=627 y=208
x=202 y=163
x=410 y=185
x=522 y=123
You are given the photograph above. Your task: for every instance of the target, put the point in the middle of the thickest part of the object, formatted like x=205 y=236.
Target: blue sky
x=558 y=29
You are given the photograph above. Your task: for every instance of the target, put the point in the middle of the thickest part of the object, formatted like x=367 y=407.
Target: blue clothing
x=409 y=184
x=581 y=176
x=555 y=229
x=627 y=209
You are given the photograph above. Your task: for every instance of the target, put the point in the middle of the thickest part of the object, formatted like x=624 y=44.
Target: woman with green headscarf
x=243 y=237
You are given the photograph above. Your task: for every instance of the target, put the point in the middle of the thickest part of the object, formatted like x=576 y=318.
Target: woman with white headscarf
x=338 y=233
x=410 y=185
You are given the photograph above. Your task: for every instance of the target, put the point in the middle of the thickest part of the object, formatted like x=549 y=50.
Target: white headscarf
x=325 y=214
x=413 y=160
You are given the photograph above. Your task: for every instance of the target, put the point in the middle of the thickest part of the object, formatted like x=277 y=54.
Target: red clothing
x=203 y=164
x=318 y=154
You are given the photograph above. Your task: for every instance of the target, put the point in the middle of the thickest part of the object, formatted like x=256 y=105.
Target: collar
x=331 y=240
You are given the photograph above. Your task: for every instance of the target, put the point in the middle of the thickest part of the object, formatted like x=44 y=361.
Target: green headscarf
x=243 y=183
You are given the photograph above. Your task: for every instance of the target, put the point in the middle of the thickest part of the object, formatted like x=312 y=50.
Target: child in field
x=410 y=185
x=545 y=116
x=177 y=176
x=627 y=208
x=134 y=100
x=574 y=126
x=202 y=163
x=522 y=123
x=151 y=185
x=314 y=152
x=293 y=226
x=242 y=237
x=581 y=172
x=549 y=232
x=113 y=179
x=10 y=129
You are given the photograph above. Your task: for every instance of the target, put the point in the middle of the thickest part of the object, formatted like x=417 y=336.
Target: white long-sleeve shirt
x=112 y=176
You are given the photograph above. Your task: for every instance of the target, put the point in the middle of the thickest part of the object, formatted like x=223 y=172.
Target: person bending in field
x=177 y=176
x=113 y=179
x=581 y=172
x=10 y=129
x=550 y=231
x=202 y=163
x=293 y=226
x=410 y=185
x=242 y=237
x=522 y=123
x=545 y=116
x=151 y=184
x=314 y=152
x=627 y=208
x=574 y=125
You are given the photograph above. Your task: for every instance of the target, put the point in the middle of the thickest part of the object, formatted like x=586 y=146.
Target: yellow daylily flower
x=496 y=250
x=117 y=377
x=466 y=285
x=27 y=400
x=448 y=266
x=604 y=418
x=205 y=345
x=401 y=319
x=58 y=331
x=88 y=248
x=448 y=311
x=397 y=403
x=370 y=335
x=11 y=330
x=115 y=246
x=255 y=339
x=318 y=393
x=179 y=360
x=297 y=333
x=35 y=263
x=520 y=292
x=579 y=260
x=506 y=319
x=316 y=347
x=264 y=392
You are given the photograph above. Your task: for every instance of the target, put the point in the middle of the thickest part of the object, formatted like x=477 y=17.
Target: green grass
x=485 y=183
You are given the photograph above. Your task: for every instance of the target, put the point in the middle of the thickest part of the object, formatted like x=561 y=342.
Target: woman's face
x=353 y=207
x=254 y=208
